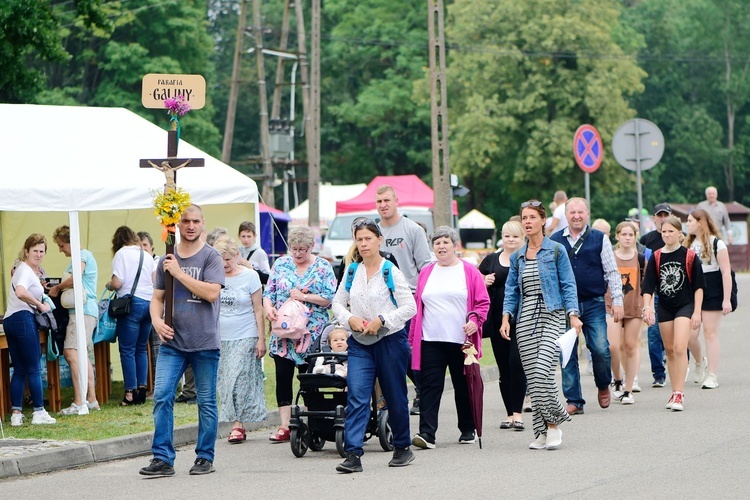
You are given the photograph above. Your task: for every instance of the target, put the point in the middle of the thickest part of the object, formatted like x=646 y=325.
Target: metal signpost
x=638 y=145
x=589 y=152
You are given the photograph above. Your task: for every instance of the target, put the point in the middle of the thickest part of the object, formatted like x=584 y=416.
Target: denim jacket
x=558 y=282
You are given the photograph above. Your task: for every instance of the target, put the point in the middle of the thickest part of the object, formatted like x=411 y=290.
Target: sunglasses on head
x=368 y=223
x=532 y=203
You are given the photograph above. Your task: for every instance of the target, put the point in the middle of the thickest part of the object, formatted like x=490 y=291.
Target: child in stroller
x=323 y=391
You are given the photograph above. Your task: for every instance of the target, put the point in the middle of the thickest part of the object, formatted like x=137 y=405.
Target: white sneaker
x=710 y=382
x=16 y=419
x=41 y=417
x=636 y=387
x=627 y=398
x=700 y=370
x=617 y=392
x=554 y=438
x=539 y=443
x=421 y=442
x=677 y=402
x=671 y=401
x=73 y=409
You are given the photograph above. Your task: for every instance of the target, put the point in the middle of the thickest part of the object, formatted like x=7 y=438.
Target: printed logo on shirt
x=394 y=242
x=672 y=278
x=195 y=273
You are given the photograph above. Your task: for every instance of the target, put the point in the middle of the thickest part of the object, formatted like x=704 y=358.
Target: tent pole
x=75 y=256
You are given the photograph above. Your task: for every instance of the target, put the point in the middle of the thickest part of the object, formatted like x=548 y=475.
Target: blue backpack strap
x=350 y=275
x=388 y=278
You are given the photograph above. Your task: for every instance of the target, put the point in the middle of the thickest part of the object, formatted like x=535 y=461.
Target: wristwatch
x=382 y=319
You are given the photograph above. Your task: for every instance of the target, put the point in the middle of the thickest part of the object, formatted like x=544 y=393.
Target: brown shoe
x=574 y=410
x=604 y=397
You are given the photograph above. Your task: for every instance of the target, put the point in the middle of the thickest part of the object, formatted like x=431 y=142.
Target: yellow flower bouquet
x=168 y=208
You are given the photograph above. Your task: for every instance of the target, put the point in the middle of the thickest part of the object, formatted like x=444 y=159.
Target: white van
x=339 y=238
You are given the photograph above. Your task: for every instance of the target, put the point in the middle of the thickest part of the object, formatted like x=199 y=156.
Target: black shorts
x=713 y=293
x=668 y=314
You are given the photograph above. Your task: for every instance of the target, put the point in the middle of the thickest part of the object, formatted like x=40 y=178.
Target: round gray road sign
x=635 y=140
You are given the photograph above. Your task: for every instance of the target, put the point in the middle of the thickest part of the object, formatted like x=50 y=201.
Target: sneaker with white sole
x=617 y=392
x=677 y=402
x=41 y=417
x=16 y=419
x=659 y=382
x=700 y=370
x=467 y=437
x=671 y=401
x=554 y=438
x=710 y=382
x=73 y=409
x=627 y=398
x=421 y=442
x=636 y=387
x=539 y=443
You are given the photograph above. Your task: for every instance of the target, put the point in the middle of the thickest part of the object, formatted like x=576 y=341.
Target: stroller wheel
x=340 y=442
x=299 y=440
x=385 y=435
x=316 y=442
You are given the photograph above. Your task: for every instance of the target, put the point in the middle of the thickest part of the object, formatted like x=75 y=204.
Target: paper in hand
x=567 y=342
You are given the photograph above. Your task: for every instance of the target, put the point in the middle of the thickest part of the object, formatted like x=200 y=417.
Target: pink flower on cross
x=177 y=106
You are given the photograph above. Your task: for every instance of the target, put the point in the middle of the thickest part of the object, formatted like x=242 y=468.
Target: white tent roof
x=68 y=158
x=328 y=197
x=476 y=220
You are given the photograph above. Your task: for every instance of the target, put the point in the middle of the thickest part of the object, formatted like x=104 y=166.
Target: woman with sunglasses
x=309 y=279
x=540 y=289
x=377 y=346
x=703 y=238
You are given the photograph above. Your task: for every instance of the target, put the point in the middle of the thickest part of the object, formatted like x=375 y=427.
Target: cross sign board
x=588 y=148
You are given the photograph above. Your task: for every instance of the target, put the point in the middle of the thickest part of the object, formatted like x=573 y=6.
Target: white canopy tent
x=476 y=220
x=85 y=161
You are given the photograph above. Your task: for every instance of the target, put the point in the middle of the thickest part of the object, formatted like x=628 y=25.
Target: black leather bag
x=121 y=306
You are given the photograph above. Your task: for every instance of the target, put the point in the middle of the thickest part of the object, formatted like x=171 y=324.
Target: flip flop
x=237 y=435
x=518 y=425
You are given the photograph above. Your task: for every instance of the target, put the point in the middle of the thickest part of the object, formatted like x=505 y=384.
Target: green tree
x=524 y=76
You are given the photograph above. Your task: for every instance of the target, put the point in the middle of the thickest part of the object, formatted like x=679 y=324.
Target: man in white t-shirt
x=558 y=221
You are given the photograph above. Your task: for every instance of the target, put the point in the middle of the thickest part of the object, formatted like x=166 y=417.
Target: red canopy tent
x=410 y=189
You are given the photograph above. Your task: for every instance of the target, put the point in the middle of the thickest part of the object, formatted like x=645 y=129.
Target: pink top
x=478 y=305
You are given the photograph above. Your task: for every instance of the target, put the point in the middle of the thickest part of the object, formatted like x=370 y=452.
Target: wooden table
x=53 y=376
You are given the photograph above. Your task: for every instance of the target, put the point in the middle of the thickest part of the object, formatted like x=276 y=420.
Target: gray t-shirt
x=408 y=244
x=195 y=321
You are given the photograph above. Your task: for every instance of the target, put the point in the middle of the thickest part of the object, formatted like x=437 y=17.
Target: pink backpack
x=291 y=323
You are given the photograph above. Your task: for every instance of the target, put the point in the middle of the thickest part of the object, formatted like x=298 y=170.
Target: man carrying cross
x=193 y=339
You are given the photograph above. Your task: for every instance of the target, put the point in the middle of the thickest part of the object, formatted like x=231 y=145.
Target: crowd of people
x=405 y=304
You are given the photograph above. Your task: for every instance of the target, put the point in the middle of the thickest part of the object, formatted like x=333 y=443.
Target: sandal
x=129 y=402
x=518 y=425
x=506 y=424
x=237 y=435
x=280 y=436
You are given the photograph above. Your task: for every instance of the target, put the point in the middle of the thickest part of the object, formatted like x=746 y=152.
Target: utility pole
x=226 y=149
x=268 y=196
x=313 y=156
x=306 y=105
x=276 y=104
x=439 y=110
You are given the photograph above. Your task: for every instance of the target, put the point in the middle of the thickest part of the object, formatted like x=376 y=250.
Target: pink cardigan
x=478 y=303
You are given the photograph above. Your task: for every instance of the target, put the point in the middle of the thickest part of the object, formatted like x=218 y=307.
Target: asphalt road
x=638 y=451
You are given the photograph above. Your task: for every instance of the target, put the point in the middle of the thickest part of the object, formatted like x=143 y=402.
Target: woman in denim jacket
x=539 y=290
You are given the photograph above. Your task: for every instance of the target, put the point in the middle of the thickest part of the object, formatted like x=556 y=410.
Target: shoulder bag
x=121 y=306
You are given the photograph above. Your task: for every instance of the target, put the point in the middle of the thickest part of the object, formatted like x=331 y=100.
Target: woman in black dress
x=495 y=267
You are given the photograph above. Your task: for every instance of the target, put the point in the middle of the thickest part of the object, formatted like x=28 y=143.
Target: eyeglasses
x=300 y=250
x=531 y=203
x=368 y=223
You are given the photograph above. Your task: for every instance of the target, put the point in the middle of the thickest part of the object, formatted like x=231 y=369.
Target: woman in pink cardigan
x=447 y=291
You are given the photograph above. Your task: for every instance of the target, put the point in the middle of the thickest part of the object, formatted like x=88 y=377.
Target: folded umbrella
x=475 y=385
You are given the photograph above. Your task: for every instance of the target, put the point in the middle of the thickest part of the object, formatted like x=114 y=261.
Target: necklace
x=534 y=248
x=671 y=249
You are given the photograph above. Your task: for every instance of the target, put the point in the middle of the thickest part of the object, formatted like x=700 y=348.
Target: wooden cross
x=169 y=167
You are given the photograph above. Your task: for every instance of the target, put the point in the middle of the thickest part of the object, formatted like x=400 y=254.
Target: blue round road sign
x=588 y=148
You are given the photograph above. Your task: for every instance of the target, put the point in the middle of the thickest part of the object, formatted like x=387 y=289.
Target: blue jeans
x=656 y=346
x=169 y=369
x=594 y=318
x=386 y=360
x=133 y=332
x=23 y=343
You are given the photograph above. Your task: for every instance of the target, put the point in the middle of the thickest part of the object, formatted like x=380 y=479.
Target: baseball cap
x=662 y=207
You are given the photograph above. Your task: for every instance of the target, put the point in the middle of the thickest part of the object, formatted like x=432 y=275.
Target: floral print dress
x=317 y=280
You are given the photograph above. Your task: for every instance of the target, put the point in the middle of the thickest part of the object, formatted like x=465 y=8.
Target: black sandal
x=129 y=402
x=140 y=396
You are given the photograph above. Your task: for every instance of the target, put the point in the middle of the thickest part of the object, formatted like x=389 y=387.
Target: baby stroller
x=324 y=397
